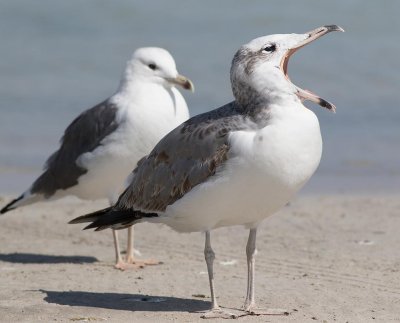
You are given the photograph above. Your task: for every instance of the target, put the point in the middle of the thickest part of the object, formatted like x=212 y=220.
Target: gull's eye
x=269 y=48
x=152 y=66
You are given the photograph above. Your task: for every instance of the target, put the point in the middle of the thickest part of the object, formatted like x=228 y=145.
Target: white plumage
x=269 y=166
x=102 y=145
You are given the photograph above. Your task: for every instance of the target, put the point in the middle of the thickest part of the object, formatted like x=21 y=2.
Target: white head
x=156 y=65
x=260 y=67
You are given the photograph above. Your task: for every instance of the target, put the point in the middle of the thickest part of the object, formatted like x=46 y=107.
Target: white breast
x=145 y=116
x=267 y=168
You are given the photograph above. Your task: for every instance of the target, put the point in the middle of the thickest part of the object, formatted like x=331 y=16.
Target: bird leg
x=130 y=258
x=215 y=311
x=250 y=304
x=131 y=262
x=119 y=262
x=250 y=252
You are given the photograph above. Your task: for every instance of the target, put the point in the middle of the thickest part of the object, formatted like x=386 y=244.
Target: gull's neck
x=138 y=84
x=258 y=99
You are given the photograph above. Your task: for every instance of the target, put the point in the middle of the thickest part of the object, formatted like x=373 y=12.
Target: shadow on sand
x=31 y=258
x=126 y=302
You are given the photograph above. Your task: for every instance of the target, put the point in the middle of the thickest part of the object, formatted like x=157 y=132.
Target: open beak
x=312 y=35
x=182 y=81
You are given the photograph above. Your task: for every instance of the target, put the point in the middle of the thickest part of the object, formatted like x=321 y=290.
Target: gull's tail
x=112 y=218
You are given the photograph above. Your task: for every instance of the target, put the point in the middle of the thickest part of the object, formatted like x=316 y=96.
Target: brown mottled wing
x=184 y=158
x=83 y=135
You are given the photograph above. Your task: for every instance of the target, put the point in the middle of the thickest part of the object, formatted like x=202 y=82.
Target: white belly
x=142 y=126
x=267 y=168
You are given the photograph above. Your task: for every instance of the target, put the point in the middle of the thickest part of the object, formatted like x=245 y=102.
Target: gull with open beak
x=312 y=35
x=235 y=165
x=102 y=145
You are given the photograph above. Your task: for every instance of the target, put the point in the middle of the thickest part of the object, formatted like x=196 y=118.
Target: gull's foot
x=218 y=313
x=253 y=310
x=121 y=265
x=142 y=263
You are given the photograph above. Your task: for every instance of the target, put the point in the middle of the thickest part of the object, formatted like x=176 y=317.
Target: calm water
x=61 y=57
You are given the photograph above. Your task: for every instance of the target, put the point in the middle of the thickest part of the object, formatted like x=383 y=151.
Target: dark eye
x=152 y=66
x=269 y=48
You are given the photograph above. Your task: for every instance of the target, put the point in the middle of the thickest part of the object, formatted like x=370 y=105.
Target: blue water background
x=58 y=58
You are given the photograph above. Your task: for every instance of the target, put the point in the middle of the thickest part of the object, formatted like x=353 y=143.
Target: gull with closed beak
x=102 y=145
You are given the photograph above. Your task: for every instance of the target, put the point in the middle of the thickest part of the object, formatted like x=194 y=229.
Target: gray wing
x=184 y=158
x=83 y=135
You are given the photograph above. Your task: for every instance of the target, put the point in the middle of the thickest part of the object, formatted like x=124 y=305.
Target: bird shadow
x=31 y=258
x=125 y=302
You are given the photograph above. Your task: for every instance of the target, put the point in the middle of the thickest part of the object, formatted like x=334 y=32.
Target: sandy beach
x=323 y=258
x=328 y=256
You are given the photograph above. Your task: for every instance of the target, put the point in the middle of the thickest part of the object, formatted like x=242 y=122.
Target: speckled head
x=261 y=66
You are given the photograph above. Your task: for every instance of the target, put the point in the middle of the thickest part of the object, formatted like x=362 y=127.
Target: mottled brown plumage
x=173 y=167
x=186 y=157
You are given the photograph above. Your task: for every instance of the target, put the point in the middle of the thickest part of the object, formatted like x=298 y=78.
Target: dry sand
x=326 y=259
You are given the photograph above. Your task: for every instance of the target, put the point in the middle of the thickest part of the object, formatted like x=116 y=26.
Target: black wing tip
x=5 y=209
x=90 y=226
x=80 y=219
x=9 y=206
x=99 y=220
x=95 y=225
x=111 y=218
x=75 y=221
x=90 y=217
